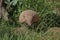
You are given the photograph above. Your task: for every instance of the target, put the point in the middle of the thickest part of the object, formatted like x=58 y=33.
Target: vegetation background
x=49 y=12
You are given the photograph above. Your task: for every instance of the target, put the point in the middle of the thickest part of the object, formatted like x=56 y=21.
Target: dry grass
x=53 y=33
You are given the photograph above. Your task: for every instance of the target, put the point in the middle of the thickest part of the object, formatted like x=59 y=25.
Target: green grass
x=48 y=18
